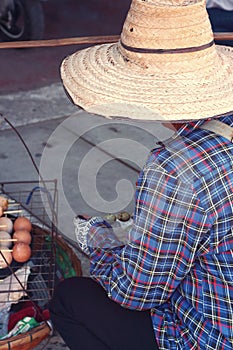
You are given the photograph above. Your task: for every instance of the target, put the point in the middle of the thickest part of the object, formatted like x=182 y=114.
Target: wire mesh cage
x=33 y=259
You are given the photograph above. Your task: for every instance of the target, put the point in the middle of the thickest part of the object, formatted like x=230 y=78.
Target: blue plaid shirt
x=179 y=263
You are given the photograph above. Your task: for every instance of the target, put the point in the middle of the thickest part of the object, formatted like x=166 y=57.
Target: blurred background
x=23 y=69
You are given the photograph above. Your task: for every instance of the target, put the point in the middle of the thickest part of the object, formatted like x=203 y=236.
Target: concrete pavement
x=35 y=105
x=95 y=160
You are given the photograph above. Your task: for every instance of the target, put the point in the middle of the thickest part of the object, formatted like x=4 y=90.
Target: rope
x=88 y=40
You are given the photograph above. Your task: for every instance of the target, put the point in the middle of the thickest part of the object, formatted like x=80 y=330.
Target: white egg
x=5 y=259
x=6 y=224
x=5 y=240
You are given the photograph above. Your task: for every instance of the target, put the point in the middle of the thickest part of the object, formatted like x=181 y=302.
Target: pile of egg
x=15 y=240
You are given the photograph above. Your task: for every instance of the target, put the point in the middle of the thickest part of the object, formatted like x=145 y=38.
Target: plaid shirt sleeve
x=169 y=225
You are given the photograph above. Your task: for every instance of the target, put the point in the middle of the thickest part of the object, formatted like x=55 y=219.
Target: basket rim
x=41 y=328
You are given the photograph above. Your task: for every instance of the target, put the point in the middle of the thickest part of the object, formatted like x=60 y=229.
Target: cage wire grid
x=34 y=279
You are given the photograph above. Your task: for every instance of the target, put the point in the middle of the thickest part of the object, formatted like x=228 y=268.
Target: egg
x=110 y=218
x=6 y=224
x=8 y=258
x=5 y=240
x=3 y=203
x=21 y=252
x=22 y=236
x=22 y=223
x=123 y=216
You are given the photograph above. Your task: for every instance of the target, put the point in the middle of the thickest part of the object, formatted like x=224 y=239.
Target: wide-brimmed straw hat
x=164 y=67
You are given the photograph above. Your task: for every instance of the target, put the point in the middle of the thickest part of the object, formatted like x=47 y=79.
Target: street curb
x=27 y=107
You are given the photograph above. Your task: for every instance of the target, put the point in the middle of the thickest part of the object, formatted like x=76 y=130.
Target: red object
x=28 y=309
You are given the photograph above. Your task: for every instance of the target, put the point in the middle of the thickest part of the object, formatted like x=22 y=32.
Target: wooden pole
x=88 y=40
x=223 y=36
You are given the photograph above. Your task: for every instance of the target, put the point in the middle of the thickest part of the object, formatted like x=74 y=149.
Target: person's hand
x=82 y=230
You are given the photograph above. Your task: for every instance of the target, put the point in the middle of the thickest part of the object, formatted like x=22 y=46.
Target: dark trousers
x=88 y=320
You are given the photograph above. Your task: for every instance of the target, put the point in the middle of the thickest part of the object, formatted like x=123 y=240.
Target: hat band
x=161 y=51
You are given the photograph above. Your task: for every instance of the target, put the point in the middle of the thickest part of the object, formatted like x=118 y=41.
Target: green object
x=64 y=263
x=22 y=326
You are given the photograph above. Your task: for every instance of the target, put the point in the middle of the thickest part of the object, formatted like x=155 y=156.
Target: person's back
x=201 y=164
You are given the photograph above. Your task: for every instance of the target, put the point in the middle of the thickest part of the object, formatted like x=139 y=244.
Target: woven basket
x=67 y=264
x=27 y=340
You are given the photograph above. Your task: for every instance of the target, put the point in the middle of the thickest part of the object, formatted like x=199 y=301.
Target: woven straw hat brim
x=101 y=81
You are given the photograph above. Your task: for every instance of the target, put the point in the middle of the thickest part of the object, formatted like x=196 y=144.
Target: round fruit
x=22 y=223
x=21 y=252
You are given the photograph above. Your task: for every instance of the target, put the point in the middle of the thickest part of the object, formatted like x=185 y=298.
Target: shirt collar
x=189 y=127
